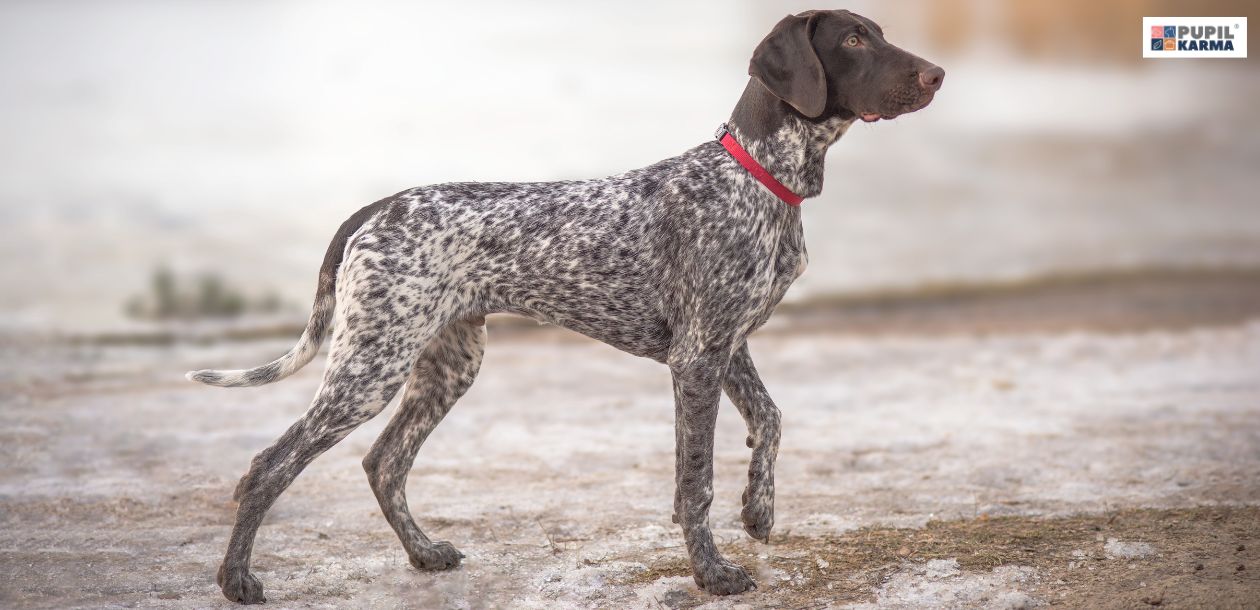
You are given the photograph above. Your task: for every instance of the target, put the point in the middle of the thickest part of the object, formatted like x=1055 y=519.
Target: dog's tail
x=316 y=326
x=302 y=353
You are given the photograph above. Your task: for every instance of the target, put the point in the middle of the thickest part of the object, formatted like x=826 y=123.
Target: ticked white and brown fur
x=678 y=262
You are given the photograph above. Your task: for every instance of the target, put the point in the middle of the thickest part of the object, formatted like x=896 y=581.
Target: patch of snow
x=940 y=583
x=940 y=568
x=663 y=592
x=1117 y=549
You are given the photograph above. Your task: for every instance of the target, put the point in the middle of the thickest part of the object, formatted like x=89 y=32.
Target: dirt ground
x=993 y=461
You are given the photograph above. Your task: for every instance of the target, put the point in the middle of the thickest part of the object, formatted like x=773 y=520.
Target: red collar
x=732 y=146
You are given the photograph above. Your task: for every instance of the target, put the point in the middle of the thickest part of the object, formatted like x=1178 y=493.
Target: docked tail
x=316 y=327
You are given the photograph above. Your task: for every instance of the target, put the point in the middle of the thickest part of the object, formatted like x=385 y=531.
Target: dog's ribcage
x=689 y=242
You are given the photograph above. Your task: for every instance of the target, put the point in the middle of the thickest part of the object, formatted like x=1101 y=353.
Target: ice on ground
x=555 y=473
x=1118 y=549
x=940 y=583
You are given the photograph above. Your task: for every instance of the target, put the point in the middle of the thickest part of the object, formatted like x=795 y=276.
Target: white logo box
x=1236 y=26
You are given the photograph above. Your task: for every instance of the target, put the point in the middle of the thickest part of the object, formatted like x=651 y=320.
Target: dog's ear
x=786 y=63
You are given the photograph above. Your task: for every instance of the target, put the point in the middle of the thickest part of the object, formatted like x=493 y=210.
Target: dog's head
x=827 y=63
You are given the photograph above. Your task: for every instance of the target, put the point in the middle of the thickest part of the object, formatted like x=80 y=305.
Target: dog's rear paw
x=240 y=586
x=724 y=578
x=437 y=556
x=758 y=514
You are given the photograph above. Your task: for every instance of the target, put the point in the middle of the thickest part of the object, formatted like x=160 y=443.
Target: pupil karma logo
x=1195 y=37
x=1191 y=38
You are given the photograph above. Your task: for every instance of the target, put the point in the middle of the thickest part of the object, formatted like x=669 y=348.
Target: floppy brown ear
x=786 y=63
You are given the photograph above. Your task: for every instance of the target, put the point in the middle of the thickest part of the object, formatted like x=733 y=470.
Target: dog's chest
x=788 y=262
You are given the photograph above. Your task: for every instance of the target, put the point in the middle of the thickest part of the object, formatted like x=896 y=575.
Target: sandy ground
x=1008 y=466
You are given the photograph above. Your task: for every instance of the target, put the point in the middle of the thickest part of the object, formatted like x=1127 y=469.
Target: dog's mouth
x=899 y=101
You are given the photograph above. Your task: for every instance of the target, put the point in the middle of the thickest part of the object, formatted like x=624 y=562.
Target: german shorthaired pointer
x=678 y=262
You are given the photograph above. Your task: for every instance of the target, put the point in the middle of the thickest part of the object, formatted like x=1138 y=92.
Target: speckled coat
x=678 y=262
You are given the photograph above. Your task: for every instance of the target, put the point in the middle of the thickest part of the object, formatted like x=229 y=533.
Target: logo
x=1166 y=37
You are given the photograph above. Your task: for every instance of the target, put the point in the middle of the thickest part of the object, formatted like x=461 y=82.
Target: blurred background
x=1037 y=298
x=191 y=159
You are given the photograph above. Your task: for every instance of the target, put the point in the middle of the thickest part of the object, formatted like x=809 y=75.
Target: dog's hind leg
x=441 y=375
x=743 y=386
x=367 y=363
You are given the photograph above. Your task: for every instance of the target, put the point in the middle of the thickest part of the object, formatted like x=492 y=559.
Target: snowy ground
x=990 y=469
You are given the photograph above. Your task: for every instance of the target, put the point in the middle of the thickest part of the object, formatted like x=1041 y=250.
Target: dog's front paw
x=758 y=513
x=240 y=586
x=436 y=556
x=723 y=578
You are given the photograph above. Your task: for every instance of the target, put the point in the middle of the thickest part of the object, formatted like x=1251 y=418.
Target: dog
x=678 y=262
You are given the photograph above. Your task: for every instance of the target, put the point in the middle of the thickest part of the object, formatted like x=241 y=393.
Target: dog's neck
x=790 y=146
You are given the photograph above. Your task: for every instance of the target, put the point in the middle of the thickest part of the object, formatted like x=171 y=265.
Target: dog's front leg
x=743 y=386
x=697 y=386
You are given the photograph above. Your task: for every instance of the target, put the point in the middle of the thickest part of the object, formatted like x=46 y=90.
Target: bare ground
x=982 y=460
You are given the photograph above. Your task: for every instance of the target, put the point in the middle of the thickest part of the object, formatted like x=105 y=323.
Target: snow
x=939 y=583
x=1117 y=549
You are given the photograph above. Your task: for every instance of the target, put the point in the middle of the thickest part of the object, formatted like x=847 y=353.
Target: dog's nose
x=931 y=78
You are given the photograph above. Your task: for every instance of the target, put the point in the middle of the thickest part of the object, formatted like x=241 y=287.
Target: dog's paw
x=758 y=513
x=723 y=578
x=240 y=586
x=436 y=556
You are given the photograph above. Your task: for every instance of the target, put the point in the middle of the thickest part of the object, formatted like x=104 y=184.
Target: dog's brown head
x=828 y=63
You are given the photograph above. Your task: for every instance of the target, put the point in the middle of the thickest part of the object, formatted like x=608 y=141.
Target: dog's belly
x=631 y=329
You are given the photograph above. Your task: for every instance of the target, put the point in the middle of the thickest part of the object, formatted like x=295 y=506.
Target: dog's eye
x=851 y=41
